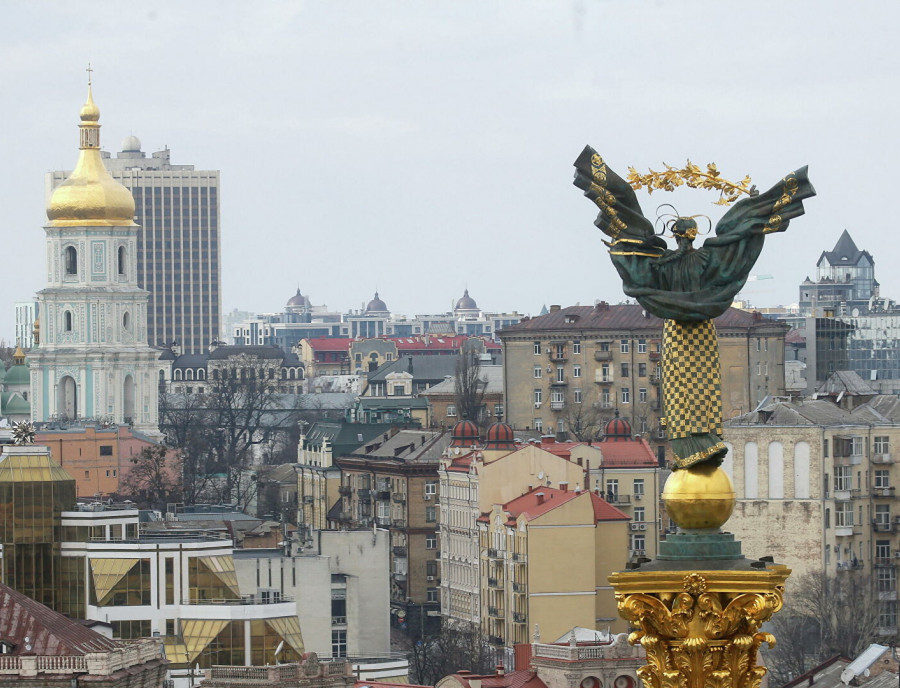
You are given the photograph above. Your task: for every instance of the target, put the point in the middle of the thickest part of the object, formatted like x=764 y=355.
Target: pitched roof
x=420 y=446
x=619 y=318
x=511 y=679
x=539 y=500
x=492 y=375
x=49 y=632
x=424 y=367
x=846 y=382
x=635 y=453
x=329 y=343
x=845 y=252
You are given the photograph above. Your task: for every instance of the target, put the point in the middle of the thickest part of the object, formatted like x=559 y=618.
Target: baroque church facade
x=91 y=359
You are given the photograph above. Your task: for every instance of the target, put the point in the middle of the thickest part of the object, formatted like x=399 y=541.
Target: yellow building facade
x=546 y=557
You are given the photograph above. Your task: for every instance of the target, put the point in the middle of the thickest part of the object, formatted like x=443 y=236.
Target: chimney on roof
x=602 y=306
x=475 y=682
x=555 y=308
x=500 y=671
x=564 y=486
x=540 y=497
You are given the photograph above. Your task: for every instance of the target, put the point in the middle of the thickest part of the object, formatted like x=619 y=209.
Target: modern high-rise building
x=178 y=247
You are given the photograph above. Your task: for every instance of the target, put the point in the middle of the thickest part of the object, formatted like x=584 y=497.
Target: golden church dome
x=90 y=196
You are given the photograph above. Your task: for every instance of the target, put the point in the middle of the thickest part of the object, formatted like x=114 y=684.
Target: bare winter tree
x=824 y=616
x=456 y=647
x=152 y=481
x=469 y=388
x=240 y=420
x=6 y=352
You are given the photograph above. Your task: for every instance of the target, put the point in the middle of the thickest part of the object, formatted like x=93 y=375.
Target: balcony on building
x=557 y=355
x=399 y=498
x=884 y=492
x=399 y=551
x=557 y=405
x=618 y=499
x=495 y=640
x=556 y=382
x=398 y=523
x=518 y=588
x=602 y=355
x=520 y=617
x=344 y=490
x=383 y=495
x=518 y=556
x=886 y=562
x=852 y=565
x=495 y=583
x=495 y=553
x=882 y=458
x=602 y=379
x=495 y=612
x=843 y=530
x=844 y=495
x=364 y=495
x=318 y=672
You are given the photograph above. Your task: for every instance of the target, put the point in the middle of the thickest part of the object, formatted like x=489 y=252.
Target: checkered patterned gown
x=692 y=391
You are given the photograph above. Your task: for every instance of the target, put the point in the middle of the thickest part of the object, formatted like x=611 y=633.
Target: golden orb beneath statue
x=699 y=497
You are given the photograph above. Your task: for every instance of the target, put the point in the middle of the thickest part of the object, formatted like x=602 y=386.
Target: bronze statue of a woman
x=688 y=287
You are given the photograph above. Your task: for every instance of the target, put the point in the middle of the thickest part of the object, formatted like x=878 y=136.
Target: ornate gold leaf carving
x=692 y=176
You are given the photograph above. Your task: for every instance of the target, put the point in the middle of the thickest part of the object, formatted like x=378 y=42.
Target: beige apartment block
x=822 y=477
x=545 y=562
x=471 y=482
x=569 y=370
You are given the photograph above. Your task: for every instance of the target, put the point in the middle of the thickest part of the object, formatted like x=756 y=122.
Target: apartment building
x=471 y=482
x=392 y=483
x=822 y=476
x=570 y=370
x=545 y=560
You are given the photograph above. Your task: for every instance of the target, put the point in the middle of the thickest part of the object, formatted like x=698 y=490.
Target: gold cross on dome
x=89 y=70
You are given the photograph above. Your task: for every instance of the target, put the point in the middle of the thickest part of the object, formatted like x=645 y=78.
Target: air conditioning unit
x=429 y=497
x=634 y=526
x=429 y=578
x=643 y=526
x=537 y=404
x=638 y=497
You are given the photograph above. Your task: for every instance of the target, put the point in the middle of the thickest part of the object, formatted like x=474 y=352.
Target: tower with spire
x=93 y=360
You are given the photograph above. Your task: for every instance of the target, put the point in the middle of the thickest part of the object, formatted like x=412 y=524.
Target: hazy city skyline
x=421 y=149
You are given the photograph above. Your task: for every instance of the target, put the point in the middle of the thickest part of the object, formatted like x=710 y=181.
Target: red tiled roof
x=604 y=511
x=385 y=684
x=634 y=453
x=511 y=679
x=461 y=464
x=330 y=343
x=529 y=505
x=49 y=633
x=621 y=317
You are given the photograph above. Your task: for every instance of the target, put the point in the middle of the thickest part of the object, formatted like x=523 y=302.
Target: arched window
x=283 y=374
x=71 y=260
x=121 y=260
x=126 y=320
x=201 y=374
x=189 y=374
x=178 y=374
x=291 y=374
x=67 y=321
x=271 y=373
x=215 y=374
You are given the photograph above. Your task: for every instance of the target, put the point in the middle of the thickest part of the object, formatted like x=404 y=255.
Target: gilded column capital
x=700 y=629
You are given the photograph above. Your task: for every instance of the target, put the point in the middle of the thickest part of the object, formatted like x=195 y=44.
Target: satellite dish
x=541 y=475
x=279 y=649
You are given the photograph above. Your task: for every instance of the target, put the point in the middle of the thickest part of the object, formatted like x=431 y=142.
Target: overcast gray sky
x=421 y=147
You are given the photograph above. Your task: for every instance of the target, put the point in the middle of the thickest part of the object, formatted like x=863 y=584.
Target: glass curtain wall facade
x=34 y=490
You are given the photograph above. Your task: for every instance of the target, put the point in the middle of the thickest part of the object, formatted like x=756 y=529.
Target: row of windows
x=624 y=347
